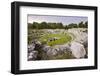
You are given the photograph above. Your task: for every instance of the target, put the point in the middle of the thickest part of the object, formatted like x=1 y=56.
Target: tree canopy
x=45 y=25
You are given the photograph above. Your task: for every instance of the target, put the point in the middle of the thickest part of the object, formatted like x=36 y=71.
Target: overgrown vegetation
x=61 y=39
x=45 y=25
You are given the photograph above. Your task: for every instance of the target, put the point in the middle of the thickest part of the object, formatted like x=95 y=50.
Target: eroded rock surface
x=78 y=50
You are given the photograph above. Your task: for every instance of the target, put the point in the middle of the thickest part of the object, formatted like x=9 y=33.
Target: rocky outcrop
x=80 y=38
x=56 y=50
x=78 y=50
x=32 y=55
x=33 y=50
x=79 y=35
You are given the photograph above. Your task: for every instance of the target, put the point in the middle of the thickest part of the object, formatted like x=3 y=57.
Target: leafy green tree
x=86 y=24
x=35 y=25
x=81 y=24
x=66 y=27
x=60 y=25
x=72 y=25
x=43 y=25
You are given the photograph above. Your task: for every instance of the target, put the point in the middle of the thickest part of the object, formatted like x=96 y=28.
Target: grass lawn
x=62 y=38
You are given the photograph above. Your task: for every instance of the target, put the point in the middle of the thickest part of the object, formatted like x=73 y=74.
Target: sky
x=57 y=19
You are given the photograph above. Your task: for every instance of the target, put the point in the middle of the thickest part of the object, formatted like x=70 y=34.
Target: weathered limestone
x=32 y=55
x=78 y=50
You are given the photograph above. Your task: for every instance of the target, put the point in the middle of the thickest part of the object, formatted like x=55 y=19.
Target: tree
x=66 y=27
x=80 y=25
x=72 y=25
x=53 y=25
x=86 y=24
x=35 y=25
x=43 y=25
x=29 y=26
x=75 y=25
x=60 y=25
x=83 y=25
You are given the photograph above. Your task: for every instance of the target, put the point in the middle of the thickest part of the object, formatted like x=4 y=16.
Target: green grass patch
x=61 y=39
